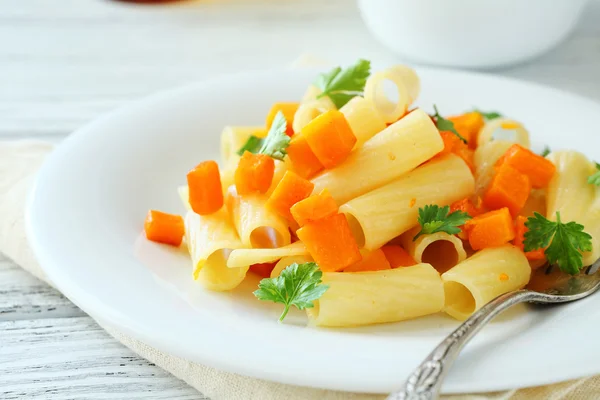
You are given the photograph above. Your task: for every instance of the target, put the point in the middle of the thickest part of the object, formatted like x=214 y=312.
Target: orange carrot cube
x=466 y=205
x=491 y=229
x=288 y=110
x=330 y=243
x=206 y=192
x=397 y=256
x=304 y=162
x=330 y=138
x=254 y=173
x=164 y=228
x=538 y=169
x=509 y=188
x=372 y=261
x=453 y=144
x=520 y=230
x=468 y=125
x=315 y=207
x=289 y=191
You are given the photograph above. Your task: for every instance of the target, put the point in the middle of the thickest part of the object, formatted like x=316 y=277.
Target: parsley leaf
x=433 y=218
x=594 y=179
x=563 y=242
x=341 y=85
x=488 y=116
x=297 y=285
x=253 y=145
x=274 y=145
x=446 y=125
x=546 y=151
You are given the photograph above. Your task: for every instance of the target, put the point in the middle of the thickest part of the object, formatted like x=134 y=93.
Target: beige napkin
x=19 y=162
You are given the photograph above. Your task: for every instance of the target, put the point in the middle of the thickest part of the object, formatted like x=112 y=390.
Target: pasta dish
x=361 y=209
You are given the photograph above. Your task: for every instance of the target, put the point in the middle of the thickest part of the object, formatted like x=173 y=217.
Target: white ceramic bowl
x=470 y=33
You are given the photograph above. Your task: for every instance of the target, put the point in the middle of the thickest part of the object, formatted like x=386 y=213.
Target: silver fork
x=425 y=381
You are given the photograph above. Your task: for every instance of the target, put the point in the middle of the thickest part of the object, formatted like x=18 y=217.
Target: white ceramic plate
x=85 y=220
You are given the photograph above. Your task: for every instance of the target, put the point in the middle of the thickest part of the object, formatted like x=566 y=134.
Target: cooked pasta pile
x=365 y=210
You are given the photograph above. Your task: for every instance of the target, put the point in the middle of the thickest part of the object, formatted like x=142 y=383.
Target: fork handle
x=425 y=381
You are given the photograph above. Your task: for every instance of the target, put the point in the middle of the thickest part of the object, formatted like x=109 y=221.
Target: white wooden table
x=64 y=62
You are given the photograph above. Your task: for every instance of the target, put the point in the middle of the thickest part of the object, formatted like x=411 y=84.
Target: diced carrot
x=520 y=229
x=263 y=269
x=164 y=228
x=315 y=207
x=453 y=144
x=467 y=206
x=206 y=193
x=288 y=110
x=397 y=256
x=330 y=243
x=330 y=138
x=304 y=162
x=254 y=173
x=468 y=125
x=538 y=169
x=372 y=261
x=509 y=188
x=491 y=229
x=289 y=191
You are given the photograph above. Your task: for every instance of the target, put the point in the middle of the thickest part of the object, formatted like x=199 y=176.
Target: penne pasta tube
x=482 y=277
x=210 y=239
x=520 y=134
x=257 y=225
x=245 y=257
x=363 y=118
x=406 y=84
x=287 y=261
x=382 y=214
x=232 y=140
x=485 y=159
x=441 y=250
x=570 y=194
x=386 y=156
x=362 y=298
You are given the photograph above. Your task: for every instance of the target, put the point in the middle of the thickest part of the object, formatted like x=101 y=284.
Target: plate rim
x=110 y=317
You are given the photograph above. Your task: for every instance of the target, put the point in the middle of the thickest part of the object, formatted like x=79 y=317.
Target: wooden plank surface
x=63 y=63
x=73 y=358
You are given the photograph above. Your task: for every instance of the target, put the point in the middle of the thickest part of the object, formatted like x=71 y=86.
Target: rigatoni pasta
x=482 y=277
x=210 y=240
x=440 y=250
x=382 y=214
x=350 y=205
x=388 y=155
x=257 y=225
x=363 y=298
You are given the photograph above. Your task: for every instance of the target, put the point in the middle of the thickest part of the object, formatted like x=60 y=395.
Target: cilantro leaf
x=274 y=145
x=546 y=151
x=563 y=242
x=594 y=179
x=297 y=285
x=341 y=85
x=433 y=218
x=445 y=125
x=488 y=116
